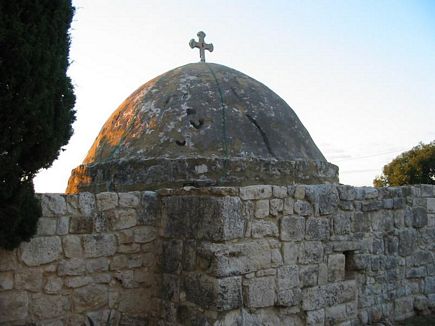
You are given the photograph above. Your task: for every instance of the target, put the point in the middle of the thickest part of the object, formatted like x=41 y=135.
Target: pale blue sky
x=359 y=74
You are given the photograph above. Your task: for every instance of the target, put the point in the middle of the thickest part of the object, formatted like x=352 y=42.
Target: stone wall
x=93 y=259
x=296 y=255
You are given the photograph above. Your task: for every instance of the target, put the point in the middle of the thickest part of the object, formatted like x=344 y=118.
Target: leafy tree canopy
x=416 y=166
x=36 y=105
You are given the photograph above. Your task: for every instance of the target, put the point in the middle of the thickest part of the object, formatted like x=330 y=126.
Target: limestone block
x=431 y=205
x=102 y=278
x=382 y=221
x=125 y=236
x=149 y=208
x=135 y=302
x=323 y=274
x=276 y=206
x=72 y=246
x=328 y=295
x=360 y=222
x=73 y=266
x=144 y=276
x=256 y=192
x=336 y=314
x=126 y=278
x=407 y=241
x=299 y=192
x=129 y=248
x=279 y=191
x=429 y=285
x=62 y=225
x=189 y=255
x=336 y=268
x=346 y=192
x=324 y=198
x=29 y=279
x=97 y=265
x=302 y=208
x=420 y=303
x=53 y=205
x=46 y=226
x=261 y=208
x=90 y=297
x=316 y=317
x=237 y=258
x=288 y=207
x=419 y=217
x=81 y=224
x=290 y=252
x=119 y=262
x=144 y=234
x=377 y=246
x=292 y=228
x=41 y=250
x=172 y=255
x=317 y=228
x=311 y=252
x=260 y=292
x=202 y=218
x=210 y=293
x=308 y=275
x=342 y=223
x=53 y=285
x=77 y=281
x=287 y=282
x=170 y=287
x=6 y=280
x=372 y=205
x=86 y=202
x=13 y=306
x=263 y=228
x=8 y=260
x=100 y=222
x=122 y=218
x=404 y=308
x=98 y=245
x=129 y=199
x=106 y=200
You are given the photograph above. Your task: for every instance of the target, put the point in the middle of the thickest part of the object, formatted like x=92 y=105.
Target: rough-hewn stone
x=41 y=250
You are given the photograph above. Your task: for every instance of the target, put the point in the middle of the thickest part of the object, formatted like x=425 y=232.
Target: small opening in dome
x=180 y=142
x=190 y=111
x=198 y=124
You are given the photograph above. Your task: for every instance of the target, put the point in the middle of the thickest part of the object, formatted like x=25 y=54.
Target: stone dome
x=201 y=124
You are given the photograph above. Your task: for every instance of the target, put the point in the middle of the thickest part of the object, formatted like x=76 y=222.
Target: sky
x=360 y=75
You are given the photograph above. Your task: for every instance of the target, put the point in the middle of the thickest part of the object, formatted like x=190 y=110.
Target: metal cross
x=201 y=45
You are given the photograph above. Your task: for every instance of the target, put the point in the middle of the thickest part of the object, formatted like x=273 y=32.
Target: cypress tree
x=36 y=105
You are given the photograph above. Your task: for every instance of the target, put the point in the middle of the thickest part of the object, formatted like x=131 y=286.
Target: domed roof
x=201 y=123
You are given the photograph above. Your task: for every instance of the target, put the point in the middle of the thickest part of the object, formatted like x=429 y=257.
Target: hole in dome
x=198 y=124
x=180 y=142
x=190 y=111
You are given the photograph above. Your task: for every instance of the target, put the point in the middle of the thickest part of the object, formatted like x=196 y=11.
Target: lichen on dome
x=201 y=124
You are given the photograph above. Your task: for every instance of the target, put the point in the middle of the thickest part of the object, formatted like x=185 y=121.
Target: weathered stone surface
x=121 y=218
x=46 y=226
x=276 y=206
x=86 y=202
x=72 y=246
x=97 y=265
x=129 y=199
x=302 y=208
x=262 y=208
x=328 y=295
x=279 y=191
x=292 y=228
x=419 y=217
x=29 y=279
x=311 y=252
x=407 y=241
x=73 y=266
x=342 y=223
x=90 y=297
x=135 y=302
x=262 y=228
x=53 y=205
x=106 y=200
x=210 y=293
x=41 y=250
x=308 y=275
x=260 y=292
x=203 y=218
x=336 y=267
x=81 y=224
x=255 y=192
x=98 y=245
x=144 y=234
x=316 y=318
x=8 y=259
x=53 y=285
x=290 y=252
x=6 y=280
x=62 y=225
x=13 y=306
x=404 y=308
x=48 y=306
x=317 y=228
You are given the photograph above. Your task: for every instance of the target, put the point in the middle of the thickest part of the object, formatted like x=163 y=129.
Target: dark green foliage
x=36 y=105
x=416 y=166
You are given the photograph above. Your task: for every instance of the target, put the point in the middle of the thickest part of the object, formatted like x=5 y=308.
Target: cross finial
x=201 y=45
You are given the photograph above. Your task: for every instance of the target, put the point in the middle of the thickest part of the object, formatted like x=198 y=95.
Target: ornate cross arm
x=201 y=45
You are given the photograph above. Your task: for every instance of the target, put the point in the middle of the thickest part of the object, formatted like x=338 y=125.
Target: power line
x=371 y=155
